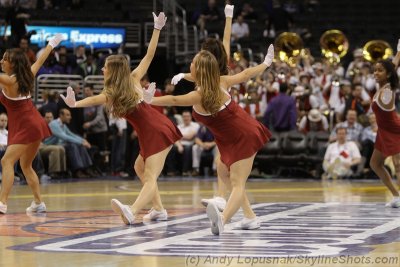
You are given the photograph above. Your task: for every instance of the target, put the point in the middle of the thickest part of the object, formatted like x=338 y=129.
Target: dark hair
x=283 y=87
x=21 y=69
x=216 y=48
x=393 y=79
x=62 y=111
x=355 y=85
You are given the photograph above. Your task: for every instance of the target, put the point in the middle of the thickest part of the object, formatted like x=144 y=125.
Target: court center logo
x=306 y=229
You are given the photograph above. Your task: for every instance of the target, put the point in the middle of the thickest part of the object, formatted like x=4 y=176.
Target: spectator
x=247 y=12
x=203 y=151
x=368 y=137
x=75 y=146
x=281 y=111
x=359 y=101
x=54 y=154
x=16 y=17
x=62 y=66
x=356 y=65
x=79 y=57
x=94 y=122
x=181 y=152
x=240 y=31
x=24 y=45
x=209 y=15
x=118 y=128
x=50 y=105
x=341 y=156
x=353 y=128
x=88 y=67
x=3 y=133
x=314 y=121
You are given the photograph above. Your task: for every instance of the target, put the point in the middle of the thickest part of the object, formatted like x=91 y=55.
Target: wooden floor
x=304 y=223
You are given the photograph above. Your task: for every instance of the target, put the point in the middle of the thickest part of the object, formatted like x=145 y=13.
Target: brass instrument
x=334 y=45
x=289 y=46
x=377 y=49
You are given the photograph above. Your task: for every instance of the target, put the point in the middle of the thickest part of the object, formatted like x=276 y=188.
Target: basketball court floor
x=304 y=223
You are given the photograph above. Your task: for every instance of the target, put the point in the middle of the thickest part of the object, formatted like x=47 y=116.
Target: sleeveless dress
x=25 y=124
x=388 y=135
x=155 y=131
x=237 y=135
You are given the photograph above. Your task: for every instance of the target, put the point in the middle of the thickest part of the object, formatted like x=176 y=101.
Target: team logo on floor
x=309 y=229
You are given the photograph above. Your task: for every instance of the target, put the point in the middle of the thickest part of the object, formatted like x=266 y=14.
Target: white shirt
x=345 y=152
x=240 y=30
x=3 y=137
x=186 y=130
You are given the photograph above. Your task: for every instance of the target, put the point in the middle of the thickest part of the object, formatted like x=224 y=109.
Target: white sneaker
x=155 y=215
x=395 y=203
x=36 y=208
x=217 y=225
x=123 y=210
x=220 y=202
x=248 y=224
x=3 y=208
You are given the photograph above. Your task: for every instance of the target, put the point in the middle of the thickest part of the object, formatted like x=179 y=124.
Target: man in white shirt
x=189 y=131
x=181 y=153
x=341 y=156
x=3 y=136
x=240 y=30
x=3 y=131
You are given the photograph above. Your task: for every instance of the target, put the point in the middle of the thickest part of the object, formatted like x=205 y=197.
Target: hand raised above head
x=159 y=22
x=56 y=40
x=229 y=11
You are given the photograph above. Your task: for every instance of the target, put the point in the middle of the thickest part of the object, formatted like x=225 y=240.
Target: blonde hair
x=208 y=79
x=118 y=87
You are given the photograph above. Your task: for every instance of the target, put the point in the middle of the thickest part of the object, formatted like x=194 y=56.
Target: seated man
x=53 y=154
x=341 y=156
x=75 y=146
x=203 y=151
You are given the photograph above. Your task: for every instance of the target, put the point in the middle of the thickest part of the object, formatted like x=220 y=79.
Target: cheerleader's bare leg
x=13 y=153
x=222 y=187
x=396 y=162
x=377 y=165
x=223 y=173
x=239 y=172
x=152 y=169
x=26 y=165
x=139 y=169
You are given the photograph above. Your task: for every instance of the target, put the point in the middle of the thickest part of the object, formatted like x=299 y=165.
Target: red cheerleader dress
x=237 y=134
x=388 y=135
x=155 y=131
x=25 y=124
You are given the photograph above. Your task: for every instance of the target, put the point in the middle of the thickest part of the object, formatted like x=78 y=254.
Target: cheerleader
x=122 y=95
x=388 y=135
x=236 y=133
x=26 y=127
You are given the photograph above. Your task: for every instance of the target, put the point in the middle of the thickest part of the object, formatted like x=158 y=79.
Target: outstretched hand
x=270 y=56
x=175 y=80
x=229 y=11
x=56 y=40
x=159 y=22
x=149 y=93
x=70 y=99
